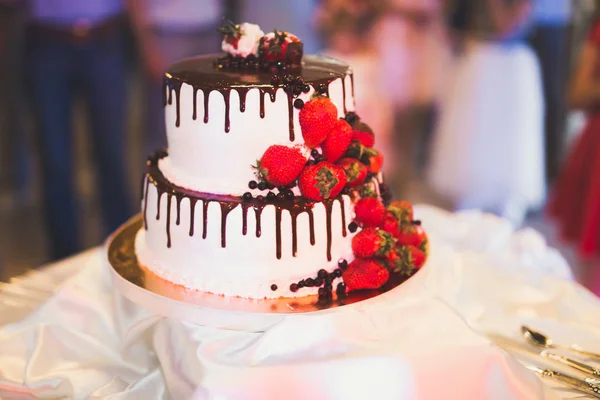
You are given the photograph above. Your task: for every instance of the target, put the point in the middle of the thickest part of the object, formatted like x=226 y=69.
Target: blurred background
x=487 y=104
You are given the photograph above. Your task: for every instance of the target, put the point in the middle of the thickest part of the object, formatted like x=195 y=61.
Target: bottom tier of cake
x=225 y=245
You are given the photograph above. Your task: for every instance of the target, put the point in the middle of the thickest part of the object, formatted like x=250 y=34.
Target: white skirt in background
x=488 y=149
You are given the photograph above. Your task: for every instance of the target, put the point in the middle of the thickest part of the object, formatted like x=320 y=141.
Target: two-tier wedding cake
x=270 y=186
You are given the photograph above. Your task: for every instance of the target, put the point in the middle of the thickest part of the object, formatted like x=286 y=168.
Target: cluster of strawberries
x=343 y=157
x=390 y=241
x=342 y=152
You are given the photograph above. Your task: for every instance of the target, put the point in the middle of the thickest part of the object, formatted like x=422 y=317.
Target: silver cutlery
x=588 y=386
x=540 y=340
x=588 y=369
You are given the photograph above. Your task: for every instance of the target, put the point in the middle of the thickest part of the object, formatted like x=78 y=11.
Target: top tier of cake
x=219 y=121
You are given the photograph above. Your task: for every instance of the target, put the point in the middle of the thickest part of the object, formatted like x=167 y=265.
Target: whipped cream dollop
x=245 y=43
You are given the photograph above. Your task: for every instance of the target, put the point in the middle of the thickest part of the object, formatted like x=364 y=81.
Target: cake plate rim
x=140 y=286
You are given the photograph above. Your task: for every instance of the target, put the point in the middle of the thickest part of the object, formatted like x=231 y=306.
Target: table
x=64 y=331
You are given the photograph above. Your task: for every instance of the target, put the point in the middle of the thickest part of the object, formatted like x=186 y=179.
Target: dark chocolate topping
x=294 y=207
x=201 y=74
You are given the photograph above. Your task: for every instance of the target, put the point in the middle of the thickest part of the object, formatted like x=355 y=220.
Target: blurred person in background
x=14 y=159
x=413 y=58
x=575 y=202
x=168 y=31
x=488 y=147
x=347 y=29
x=75 y=48
x=550 y=40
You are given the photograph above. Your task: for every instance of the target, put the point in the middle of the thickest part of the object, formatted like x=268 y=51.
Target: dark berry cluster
x=386 y=193
x=323 y=280
x=293 y=85
x=353 y=227
x=284 y=192
x=315 y=157
x=252 y=62
x=351 y=117
x=236 y=63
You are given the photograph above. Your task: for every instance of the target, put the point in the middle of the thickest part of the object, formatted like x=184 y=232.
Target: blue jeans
x=57 y=72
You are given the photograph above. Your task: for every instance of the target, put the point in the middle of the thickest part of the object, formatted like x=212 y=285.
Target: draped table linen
x=426 y=339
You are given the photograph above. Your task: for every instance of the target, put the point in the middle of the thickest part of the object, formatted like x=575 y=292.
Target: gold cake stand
x=140 y=285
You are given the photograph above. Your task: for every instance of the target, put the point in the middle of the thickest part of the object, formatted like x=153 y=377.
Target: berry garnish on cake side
x=342 y=161
x=335 y=159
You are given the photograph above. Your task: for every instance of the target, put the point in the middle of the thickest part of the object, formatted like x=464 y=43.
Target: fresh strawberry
x=364 y=134
x=274 y=45
x=356 y=172
x=232 y=32
x=402 y=210
x=322 y=181
x=365 y=274
x=281 y=165
x=337 y=141
x=374 y=160
x=370 y=212
x=390 y=224
x=357 y=151
x=317 y=118
x=405 y=260
x=371 y=242
x=352 y=118
x=411 y=234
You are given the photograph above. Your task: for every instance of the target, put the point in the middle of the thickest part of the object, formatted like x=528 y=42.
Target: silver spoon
x=539 y=339
x=587 y=386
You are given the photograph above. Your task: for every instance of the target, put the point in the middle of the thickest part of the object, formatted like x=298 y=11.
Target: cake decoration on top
x=281 y=46
x=247 y=47
x=240 y=40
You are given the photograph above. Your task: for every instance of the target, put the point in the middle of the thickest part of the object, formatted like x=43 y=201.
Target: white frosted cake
x=256 y=194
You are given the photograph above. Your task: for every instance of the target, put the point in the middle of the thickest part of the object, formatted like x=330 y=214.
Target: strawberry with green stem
x=365 y=274
x=372 y=242
x=280 y=165
x=322 y=181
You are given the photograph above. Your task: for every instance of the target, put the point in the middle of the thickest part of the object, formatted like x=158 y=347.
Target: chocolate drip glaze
x=145 y=194
x=225 y=210
x=192 y=214
x=290 y=97
x=278 y=231
x=245 y=207
x=258 y=212
x=168 y=226
x=178 y=198
x=294 y=233
x=204 y=218
x=328 y=209
x=228 y=203
x=206 y=97
x=344 y=233
x=262 y=92
x=344 y=95
x=311 y=226
x=201 y=74
x=158 y=196
x=175 y=86
x=242 y=92
x=352 y=87
x=195 y=102
x=226 y=92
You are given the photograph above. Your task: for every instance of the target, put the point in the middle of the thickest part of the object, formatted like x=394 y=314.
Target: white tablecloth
x=424 y=340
